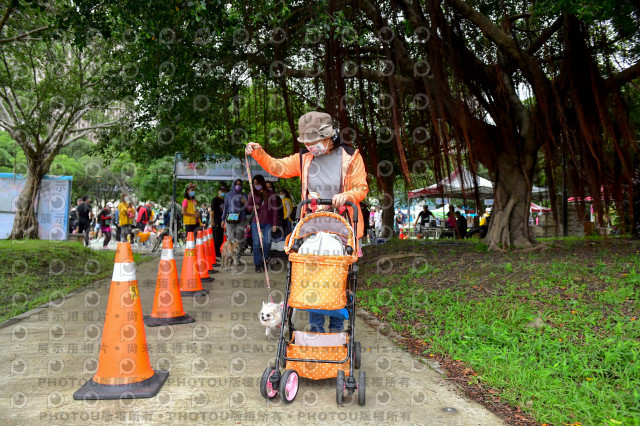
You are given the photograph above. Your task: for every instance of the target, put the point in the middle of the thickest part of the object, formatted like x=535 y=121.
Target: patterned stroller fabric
x=320 y=281
x=309 y=350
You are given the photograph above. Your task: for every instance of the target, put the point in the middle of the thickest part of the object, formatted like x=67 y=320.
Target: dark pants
x=118 y=232
x=125 y=231
x=258 y=255
x=218 y=237
x=107 y=237
x=141 y=226
x=191 y=228
x=316 y=321
x=84 y=226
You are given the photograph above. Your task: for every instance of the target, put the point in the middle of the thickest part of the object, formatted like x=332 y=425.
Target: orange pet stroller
x=326 y=284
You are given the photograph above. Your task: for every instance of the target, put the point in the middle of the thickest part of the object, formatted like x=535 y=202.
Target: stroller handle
x=327 y=202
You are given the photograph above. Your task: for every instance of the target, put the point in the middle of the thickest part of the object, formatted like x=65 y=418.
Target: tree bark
x=25 y=223
x=388 y=201
x=509 y=224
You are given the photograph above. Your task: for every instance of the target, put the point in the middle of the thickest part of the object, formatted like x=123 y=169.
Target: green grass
x=582 y=366
x=34 y=272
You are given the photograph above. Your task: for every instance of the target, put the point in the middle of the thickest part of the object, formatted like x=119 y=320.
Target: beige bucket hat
x=314 y=126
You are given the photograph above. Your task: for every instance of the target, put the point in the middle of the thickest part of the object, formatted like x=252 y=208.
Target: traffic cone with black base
x=124 y=368
x=212 y=250
x=167 y=305
x=214 y=263
x=190 y=284
x=206 y=243
x=201 y=259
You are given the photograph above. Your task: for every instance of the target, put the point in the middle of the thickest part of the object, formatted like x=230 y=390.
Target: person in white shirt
x=377 y=219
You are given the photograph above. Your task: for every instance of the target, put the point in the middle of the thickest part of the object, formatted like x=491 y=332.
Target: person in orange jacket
x=327 y=168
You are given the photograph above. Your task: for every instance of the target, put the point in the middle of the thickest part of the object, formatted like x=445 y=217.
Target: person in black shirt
x=217 y=206
x=423 y=217
x=279 y=234
x=73 y=216
x=104 y=219
x=84 y=218
x=461 y=225
x=364 y=208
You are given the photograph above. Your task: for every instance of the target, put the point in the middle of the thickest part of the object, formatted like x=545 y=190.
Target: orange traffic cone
x=206 y=248
x=201 y=259
x=401 y=235
x=190 y=284
x=167 y=305
x=124 y=368
x=212 y=251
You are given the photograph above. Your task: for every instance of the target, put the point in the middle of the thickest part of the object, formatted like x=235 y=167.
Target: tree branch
x=98 y=126
x=506 y=44
x=73 y=139
x=625 y=76
x=544 y=36
x=24 y=35
x=6 y=16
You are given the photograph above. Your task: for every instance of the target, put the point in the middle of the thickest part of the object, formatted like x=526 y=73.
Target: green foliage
x=619 y=12
x=26 y=281
x=582 y=365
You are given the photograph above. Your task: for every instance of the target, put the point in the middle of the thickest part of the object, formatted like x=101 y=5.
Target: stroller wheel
x=289 y=386
x=266 y=387
x=340 y=388
x=362 y=387
x=357 y=353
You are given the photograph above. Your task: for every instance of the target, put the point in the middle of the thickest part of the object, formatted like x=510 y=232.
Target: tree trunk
x=509 y=224
x=25 y=224
x=388 y=201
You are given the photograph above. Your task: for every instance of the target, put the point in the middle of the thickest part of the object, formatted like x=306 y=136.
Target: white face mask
x=317 y=149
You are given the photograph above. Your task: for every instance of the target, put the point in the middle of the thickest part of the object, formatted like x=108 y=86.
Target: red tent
x=539 y=209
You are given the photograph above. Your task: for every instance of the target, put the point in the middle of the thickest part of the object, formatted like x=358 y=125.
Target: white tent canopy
x=461 y=184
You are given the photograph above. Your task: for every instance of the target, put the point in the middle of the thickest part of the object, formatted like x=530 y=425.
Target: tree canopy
x=412 y=84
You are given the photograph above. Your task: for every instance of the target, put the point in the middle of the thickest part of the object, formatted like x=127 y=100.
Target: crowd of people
x=230 y=210
x=121 y=221
x=455 y=223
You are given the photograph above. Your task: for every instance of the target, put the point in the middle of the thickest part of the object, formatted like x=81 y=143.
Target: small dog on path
x=229 y=251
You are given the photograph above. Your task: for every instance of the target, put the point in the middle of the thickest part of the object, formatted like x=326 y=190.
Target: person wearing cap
x=327 y=169
x=190 y=209
x=104 y=220
x=215 y=213
x=483 y=226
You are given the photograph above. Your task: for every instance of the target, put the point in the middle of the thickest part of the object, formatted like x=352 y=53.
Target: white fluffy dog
x=271 y=315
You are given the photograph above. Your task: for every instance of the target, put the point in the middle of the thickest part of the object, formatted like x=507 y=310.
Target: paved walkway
x=215 y=367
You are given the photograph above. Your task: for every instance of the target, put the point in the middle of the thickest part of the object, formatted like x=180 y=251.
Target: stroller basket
x=315 y=347
x=320 y=281
x=321 y=277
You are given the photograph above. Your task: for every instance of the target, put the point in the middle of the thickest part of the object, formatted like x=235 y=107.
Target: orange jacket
x=354 y=176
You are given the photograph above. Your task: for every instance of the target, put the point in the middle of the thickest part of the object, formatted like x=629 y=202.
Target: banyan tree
x=520 y=87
